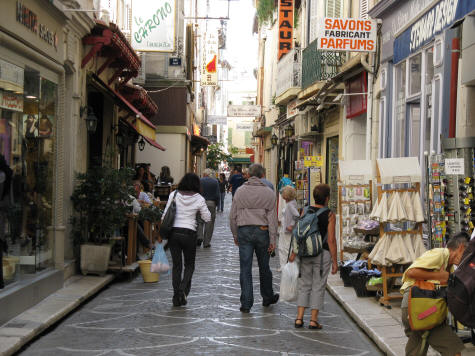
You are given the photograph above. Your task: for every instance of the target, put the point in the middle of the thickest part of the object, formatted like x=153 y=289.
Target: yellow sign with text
x=313 y=161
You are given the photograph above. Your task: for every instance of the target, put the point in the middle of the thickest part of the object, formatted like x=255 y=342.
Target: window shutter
x=364 y=9
x=312 y=35
x=334 y=8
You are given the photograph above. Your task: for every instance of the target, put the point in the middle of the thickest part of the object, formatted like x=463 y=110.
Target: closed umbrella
x=419 y=247
x=409 y=245
x=396 y=212
x=373 y=215
x=378 y=254
x=396 y=252
x=418 y=212
x=408 y=206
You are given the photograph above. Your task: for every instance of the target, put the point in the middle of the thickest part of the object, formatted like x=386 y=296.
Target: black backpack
x=461 y=288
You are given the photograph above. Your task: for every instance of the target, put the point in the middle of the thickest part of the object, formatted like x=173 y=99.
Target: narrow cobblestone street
x=133 y=318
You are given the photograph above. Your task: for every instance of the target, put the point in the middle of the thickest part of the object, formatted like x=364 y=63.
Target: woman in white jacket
x=182 y=240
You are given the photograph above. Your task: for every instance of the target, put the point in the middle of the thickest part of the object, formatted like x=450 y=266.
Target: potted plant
x=100 y=201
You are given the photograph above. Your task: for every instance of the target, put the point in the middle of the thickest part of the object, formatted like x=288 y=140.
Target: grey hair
x=456 y=241
x=208 y=172
x=256 y=170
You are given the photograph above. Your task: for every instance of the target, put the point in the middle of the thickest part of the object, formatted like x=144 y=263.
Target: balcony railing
x=289 y=71
x=319 y=65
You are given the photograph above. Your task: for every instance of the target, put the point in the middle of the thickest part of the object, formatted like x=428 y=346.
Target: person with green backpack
x=424 y=306
x=314 y=242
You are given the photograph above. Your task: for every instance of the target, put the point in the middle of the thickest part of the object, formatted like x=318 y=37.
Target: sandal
x=299 y=325
x=317 y=326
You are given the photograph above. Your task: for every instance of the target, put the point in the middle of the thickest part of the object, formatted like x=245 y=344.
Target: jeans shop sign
x=153 y=25
x=430 y=24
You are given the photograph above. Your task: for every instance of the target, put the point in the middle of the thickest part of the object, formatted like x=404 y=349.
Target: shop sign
x=209 y=61
x=244 y=127
x=313 y=161
x=346 y=34
x=217 y=120
x=30 y=20
x=11 y=74
x=454 y=166
x=244 y=110
x=433 y=22
x=292 y=109
x=196 y=130
x=174 y=61
x=11 y=101
x=286 y=25
x=153 y=25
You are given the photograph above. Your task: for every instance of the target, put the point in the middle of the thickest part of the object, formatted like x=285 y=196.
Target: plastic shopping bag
x=159 y=262
x=288 y=282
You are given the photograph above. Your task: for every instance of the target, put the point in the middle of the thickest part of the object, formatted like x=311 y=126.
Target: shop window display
x=27 y=134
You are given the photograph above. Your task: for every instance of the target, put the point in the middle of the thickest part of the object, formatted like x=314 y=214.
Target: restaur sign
x=347 y=34
x=286 y=26
x=244 y=110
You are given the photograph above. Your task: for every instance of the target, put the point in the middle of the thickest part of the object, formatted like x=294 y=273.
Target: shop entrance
x=95 y=101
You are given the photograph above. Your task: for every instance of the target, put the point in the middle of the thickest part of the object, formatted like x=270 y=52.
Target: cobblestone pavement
x=133 y=318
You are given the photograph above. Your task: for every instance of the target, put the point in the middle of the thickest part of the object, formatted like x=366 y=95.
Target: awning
x=155 y=144
x=242 y=160
x=199 y=140
x=139 y=97
x=143 y=125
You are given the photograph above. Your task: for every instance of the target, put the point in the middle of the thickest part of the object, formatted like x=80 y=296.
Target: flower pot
x=95 y=259
x=148 y=277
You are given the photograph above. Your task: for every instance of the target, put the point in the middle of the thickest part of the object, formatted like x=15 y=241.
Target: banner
x=286 y=26
x=217 y=120
x=153 y=25
x=346 y=34
x=209 y=61
x=244 y=110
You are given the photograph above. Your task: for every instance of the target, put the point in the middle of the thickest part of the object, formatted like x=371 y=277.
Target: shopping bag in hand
x=288 y=282
x=159 y=262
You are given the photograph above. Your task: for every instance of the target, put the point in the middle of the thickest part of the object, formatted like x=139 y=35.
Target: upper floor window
x=334 y=8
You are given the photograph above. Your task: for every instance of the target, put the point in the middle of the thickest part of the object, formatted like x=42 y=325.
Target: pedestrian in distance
x=212 y=196
x=236 y=180
x=434 y=265
x=165 y=176
x=253 y=223
x=291 y=215
x=223 y=187
x=314 y=270
x=182 y=240
x=266 y=182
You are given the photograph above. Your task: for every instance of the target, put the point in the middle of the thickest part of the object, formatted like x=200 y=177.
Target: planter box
x=95 y=259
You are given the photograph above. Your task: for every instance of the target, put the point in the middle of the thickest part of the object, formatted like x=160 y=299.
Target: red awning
x=134 y=109
x=139 y=97
x=155 y=144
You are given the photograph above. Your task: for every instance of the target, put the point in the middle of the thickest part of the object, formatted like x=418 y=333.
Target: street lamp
x=274 y=140
x=141 y=144
x=289 y=131
x=91 y=119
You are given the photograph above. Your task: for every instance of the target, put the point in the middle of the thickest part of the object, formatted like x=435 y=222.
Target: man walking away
x=236 y=180
x=254 y=227
x=210 y=191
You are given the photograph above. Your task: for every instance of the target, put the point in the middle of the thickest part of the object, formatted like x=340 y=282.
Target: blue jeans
x=252 y=238
x=222 y=195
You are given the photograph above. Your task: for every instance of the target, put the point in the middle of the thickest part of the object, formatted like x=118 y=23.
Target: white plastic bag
x=288 y=282
x=160 y=261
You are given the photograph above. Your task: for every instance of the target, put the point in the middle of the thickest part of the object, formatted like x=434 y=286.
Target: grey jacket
x=254 y=204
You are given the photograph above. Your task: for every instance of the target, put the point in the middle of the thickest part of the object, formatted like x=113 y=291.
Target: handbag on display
x=427 y=305
x=167 y=223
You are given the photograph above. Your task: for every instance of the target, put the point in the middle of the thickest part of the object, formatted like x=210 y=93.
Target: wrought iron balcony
x=319 y=65
x=289 y=72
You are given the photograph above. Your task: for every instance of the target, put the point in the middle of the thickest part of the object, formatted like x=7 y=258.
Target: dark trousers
x=254 y=239
x=1 y=265
x=182 y=243
x=222 y=195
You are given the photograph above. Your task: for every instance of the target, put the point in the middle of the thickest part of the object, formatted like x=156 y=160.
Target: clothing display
x=399 y=207
x=400 y=248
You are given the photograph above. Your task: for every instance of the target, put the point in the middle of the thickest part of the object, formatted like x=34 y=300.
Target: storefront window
x=415 y=74
x=27 y=133
x=400 y=111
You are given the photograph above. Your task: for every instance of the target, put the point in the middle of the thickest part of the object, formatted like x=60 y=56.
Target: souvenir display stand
x=354 y=200
x=399 y=211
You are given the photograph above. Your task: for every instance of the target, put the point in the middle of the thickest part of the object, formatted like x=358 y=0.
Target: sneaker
x=245 y=310
x=176 y=301
x=199 y=242
x=274 y=300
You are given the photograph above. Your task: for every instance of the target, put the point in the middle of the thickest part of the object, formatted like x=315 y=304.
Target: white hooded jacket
x=187 y=206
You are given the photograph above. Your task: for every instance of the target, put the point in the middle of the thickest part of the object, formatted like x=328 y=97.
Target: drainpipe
x=453 y=84
x=369 y=115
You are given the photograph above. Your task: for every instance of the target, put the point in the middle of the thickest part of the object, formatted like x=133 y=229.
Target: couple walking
x=254 y=227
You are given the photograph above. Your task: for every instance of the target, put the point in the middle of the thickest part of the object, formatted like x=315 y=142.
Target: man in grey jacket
x=254 y=226
x=209 y=191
